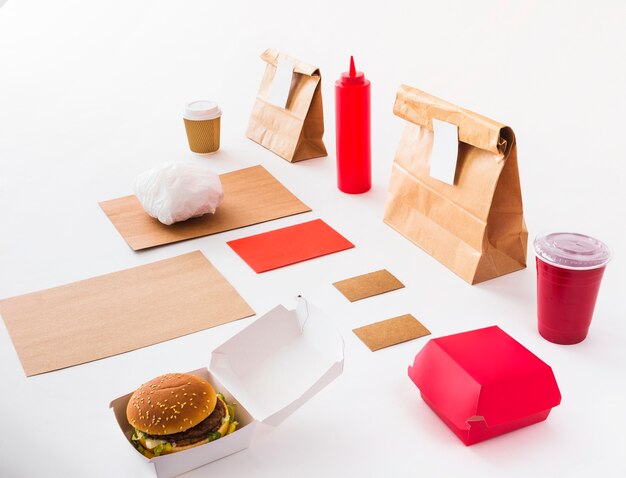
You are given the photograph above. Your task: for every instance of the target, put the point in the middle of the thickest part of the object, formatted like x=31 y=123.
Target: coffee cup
x=202 y=124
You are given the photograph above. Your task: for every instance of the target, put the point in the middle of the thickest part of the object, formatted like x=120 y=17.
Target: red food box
x=484 y=383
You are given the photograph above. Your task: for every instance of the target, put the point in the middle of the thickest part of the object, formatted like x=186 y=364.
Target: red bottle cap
x=352 y=77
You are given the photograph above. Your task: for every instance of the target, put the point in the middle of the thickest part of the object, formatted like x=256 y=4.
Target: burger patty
x=198 y=432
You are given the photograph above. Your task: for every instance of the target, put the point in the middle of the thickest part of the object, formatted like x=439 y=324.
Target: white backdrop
x=91 y=95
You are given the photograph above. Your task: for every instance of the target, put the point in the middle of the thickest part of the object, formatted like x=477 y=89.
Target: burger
x=177 y=411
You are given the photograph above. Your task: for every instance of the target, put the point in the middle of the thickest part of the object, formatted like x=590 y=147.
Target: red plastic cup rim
x=572 y=268
x=587 y=268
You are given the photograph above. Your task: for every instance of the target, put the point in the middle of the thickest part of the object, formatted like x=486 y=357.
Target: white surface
x=444 y=152
x=553 y=71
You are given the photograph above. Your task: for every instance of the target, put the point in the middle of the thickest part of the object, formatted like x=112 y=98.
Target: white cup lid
x=202 y=110
x=570 y=250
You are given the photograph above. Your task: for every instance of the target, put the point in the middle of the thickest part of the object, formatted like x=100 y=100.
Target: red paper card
x=289 y=245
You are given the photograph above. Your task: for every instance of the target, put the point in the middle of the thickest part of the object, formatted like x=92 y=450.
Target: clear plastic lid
x=570 y=250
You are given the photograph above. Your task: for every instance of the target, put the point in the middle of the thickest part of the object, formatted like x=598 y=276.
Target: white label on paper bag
x=445 y=151
x=281 y=84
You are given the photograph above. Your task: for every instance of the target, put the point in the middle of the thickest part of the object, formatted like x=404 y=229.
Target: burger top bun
x=171 y=403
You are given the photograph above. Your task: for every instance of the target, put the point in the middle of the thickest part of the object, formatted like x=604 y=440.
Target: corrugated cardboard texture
x=368 y=285
x=391 y=332
x=251 y=195
x=203 y=136
x=118 y=312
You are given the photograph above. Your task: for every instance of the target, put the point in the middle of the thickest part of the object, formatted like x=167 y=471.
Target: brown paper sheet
x=251 y=196
x=368 y=285
x=391 y=332
x=118 y=312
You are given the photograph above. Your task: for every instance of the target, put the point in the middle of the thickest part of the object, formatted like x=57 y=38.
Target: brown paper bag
x=294 y=130
x=476 y=226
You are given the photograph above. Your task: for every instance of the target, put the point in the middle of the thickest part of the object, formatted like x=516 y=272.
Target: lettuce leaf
x=214 y=436
x=157 y=450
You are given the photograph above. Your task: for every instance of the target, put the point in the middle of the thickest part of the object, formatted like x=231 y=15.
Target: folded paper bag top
x=420 y=108
x=288 y=117
x=475 y=226
x=269 y=369
x=484 y=383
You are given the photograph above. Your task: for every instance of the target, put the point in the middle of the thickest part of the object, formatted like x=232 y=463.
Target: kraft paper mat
x=368 y=285
x=251 y=196
x=391 y=332
x=118 y=312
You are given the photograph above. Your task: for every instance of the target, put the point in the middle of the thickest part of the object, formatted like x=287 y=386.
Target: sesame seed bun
x=171 y=403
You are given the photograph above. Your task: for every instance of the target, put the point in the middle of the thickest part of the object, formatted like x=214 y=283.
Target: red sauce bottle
x=352 y=125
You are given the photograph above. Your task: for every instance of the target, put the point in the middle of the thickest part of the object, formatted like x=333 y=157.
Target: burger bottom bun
x=148 y=454
x=222 y=430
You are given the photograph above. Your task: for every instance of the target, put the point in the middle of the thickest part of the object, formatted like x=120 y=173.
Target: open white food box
x=269 y=370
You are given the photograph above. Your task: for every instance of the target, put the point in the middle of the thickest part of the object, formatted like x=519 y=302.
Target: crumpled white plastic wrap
x=176 y=192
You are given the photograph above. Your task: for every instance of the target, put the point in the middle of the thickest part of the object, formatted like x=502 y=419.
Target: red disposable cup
x=569 y=273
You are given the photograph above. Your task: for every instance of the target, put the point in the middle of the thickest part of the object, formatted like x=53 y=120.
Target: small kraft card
x=391 y=332
x=368 y=285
